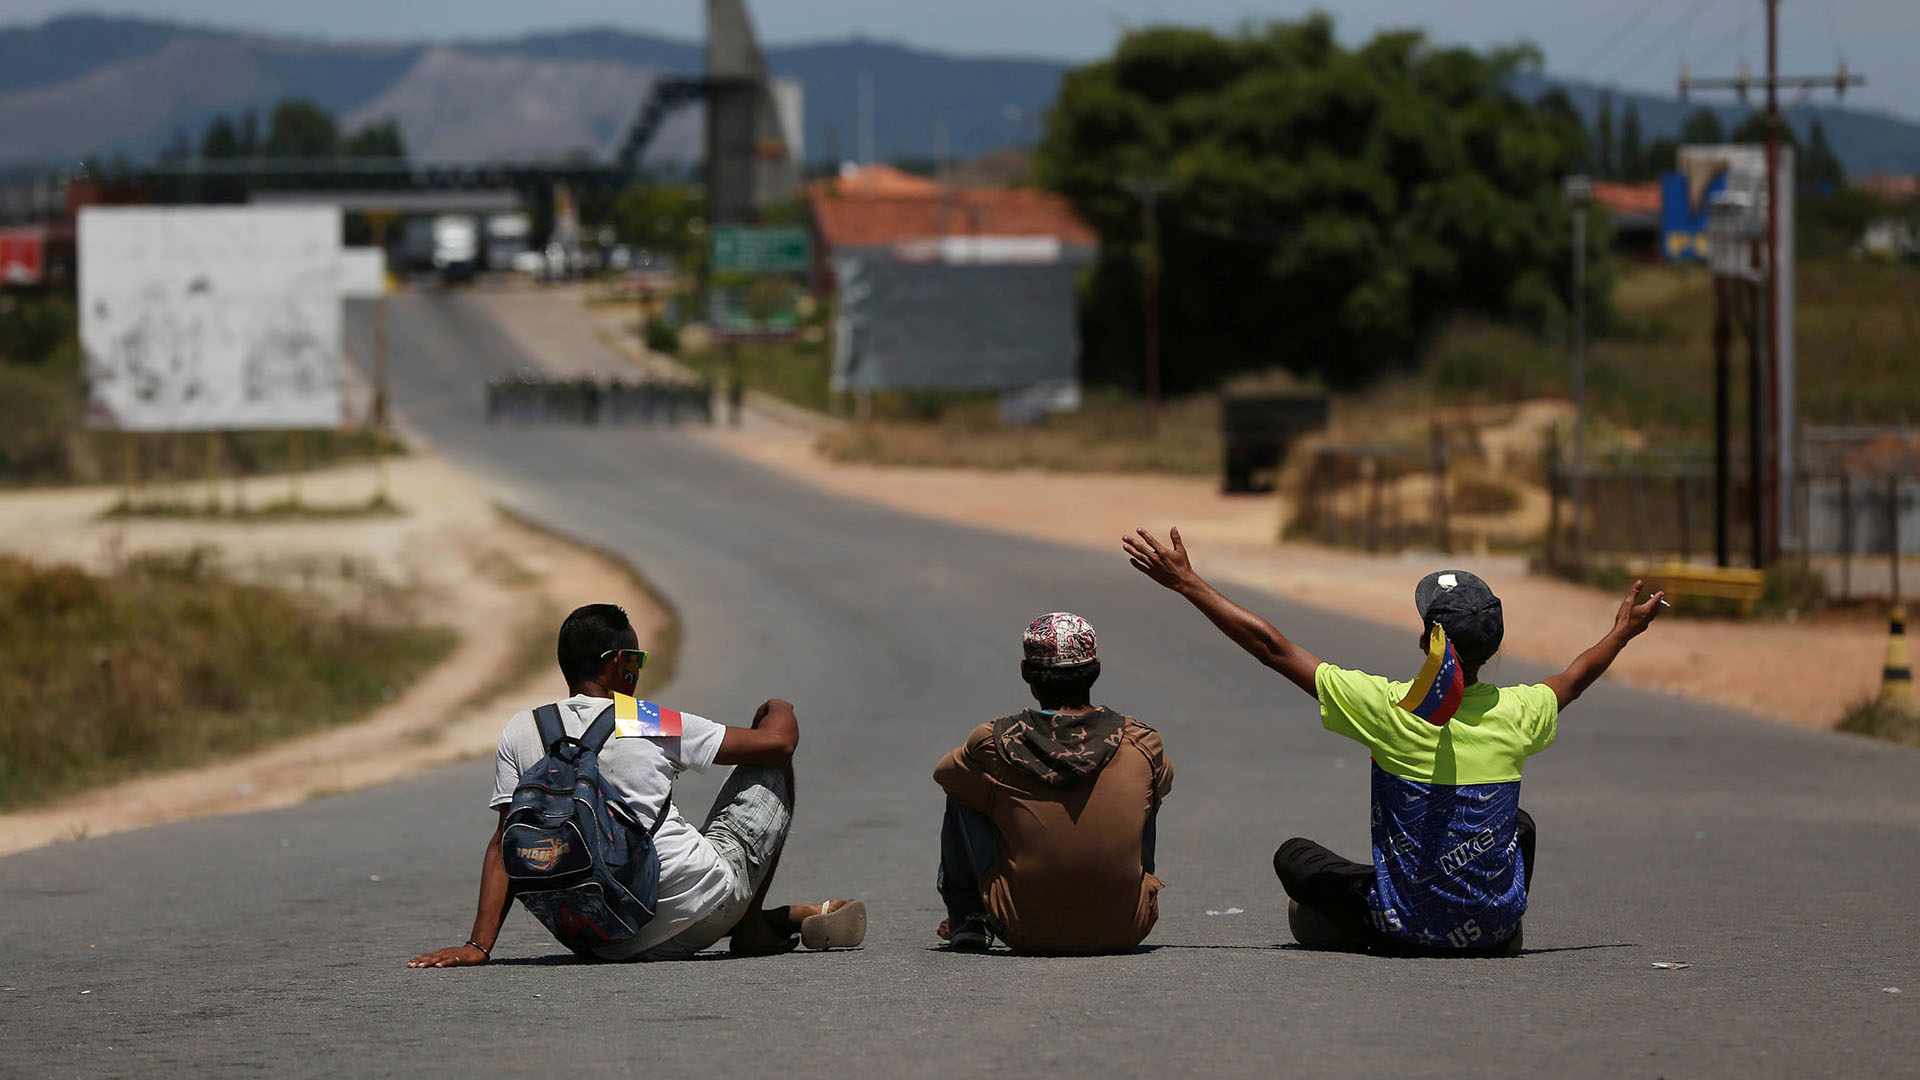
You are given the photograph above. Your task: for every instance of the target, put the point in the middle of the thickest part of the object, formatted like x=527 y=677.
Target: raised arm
x=1170 y=567
x=1628 y=623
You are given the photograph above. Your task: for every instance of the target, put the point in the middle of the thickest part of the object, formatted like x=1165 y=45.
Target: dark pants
x=1337 y=888
x=968 y=844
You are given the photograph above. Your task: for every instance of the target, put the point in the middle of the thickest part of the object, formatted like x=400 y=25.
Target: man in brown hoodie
x=1049 y=832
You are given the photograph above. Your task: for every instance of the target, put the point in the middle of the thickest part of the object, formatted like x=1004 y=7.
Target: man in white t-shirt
x=713 y=880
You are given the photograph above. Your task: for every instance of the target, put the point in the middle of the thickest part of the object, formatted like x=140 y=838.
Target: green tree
x=375 y=140
x=1662 y=157
x=1603 y=160
x=249 y=134
x=221 y=142
x=1819 y=168
x=1633 y=153
x=1702 y=127
x=665 y=218
x=300 y=129
x=1329 y=206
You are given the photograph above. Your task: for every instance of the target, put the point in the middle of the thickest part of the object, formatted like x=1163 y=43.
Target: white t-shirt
x=694 y=879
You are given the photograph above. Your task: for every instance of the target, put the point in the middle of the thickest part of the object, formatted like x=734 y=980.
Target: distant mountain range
x=97 y=85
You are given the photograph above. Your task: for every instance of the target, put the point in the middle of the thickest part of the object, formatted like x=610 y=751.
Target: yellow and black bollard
x=1896 y=682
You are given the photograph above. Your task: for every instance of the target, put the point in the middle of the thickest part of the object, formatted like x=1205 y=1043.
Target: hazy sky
x=1636 y=43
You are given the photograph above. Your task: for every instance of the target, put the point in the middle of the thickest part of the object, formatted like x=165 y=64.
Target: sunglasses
x=639 y=654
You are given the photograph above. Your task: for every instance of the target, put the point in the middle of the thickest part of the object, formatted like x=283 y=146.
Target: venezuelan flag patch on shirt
x=1436 y=691
x=633 y=719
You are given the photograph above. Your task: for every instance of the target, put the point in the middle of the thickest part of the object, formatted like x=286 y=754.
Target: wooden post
x=1893 y=533
x=1846 y=536
x=1758 y=508
x=296 y=452
x=1686 y=517
x=1371 y=470
x=1553 y=498
x=1644 y=526
x=129 y=468
x=1722 y=424
x=213 y=472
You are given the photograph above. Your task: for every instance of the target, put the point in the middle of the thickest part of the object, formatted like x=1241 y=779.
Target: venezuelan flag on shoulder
x=634 y=719
x=1435 y=693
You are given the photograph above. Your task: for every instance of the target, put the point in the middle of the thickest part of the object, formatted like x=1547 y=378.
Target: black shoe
x=971 y=935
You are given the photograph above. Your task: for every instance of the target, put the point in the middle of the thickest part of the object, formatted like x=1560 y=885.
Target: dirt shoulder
x=1807 y=672
x=500 y=584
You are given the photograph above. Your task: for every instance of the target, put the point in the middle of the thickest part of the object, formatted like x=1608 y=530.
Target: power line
x=1718 y=50
x=1586 y=66
x=1665 y=38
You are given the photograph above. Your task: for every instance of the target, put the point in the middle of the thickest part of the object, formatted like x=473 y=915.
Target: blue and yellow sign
x=1683 y=222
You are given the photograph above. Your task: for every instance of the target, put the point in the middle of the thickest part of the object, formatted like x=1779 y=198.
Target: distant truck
x=456 y=247
x=1257 y=431
x=507 y=236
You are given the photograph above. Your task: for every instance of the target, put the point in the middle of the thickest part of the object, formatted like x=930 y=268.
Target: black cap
x=1465 y=608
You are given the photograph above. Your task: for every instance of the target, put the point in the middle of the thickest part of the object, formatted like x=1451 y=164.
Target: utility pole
x=1777 y=298
x=1148 y=190
x=1579 y=192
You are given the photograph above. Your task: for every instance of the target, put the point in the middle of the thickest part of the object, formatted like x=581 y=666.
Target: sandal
x=841 y=924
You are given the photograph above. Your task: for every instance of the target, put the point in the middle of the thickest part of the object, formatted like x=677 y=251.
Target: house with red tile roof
x=941 y=287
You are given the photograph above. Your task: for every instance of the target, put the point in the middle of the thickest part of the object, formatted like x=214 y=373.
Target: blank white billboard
x=211 y=318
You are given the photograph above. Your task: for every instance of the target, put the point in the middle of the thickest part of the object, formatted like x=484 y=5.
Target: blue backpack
x=577 y=858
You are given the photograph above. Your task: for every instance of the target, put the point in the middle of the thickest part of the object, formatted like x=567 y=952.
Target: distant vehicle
x=531 y=263
x=1258 y=430
x=506 y=239
x=456 y=247
x=416 y=244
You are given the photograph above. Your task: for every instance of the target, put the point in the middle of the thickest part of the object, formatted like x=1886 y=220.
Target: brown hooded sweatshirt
x=1070 y=797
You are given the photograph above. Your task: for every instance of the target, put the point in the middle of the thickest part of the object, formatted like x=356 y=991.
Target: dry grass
x=1883 y=719
x=167 y=662
x=1857 y=348
x=1108 y=434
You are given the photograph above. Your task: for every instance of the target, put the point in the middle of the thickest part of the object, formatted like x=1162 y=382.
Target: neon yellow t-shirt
x=1448 y=868
x=1495 y=730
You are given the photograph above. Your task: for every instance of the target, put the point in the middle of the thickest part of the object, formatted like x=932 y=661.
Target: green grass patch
x=167 y=662
x=1882 y=719
x=793 y=371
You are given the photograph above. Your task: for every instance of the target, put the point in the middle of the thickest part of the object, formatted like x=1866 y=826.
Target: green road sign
x=783 y=249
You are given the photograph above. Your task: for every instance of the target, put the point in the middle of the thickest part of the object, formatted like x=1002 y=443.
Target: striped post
x=1896 y=682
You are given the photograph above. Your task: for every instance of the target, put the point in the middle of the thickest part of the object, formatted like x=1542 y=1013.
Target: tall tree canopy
x=1328 y=206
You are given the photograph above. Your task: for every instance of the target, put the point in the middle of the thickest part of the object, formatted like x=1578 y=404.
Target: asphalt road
x=1780 y=863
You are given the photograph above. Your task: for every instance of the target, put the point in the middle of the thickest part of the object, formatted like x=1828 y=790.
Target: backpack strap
x=596 y=736
x=547 y=719
x=598 y=732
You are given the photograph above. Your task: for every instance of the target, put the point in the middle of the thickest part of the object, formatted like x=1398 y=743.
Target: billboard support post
x=129 y=468
x=213 y=472
x=296 y=455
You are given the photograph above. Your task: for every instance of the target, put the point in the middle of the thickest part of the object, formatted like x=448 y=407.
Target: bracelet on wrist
x=484 y=951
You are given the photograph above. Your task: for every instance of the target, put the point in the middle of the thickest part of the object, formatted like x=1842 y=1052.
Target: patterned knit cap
x=1060 y=639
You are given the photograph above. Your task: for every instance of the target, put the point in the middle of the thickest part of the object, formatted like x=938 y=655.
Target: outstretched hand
x=458 y=956
x=1634 y=617
x=1167 y=565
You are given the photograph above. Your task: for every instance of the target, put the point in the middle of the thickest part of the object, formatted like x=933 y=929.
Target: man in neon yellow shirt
x=1452 y=850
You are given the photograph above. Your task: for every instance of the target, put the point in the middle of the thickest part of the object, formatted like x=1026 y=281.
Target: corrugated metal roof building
x=954 y=289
